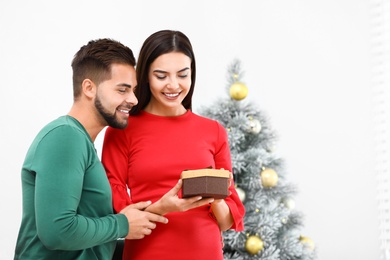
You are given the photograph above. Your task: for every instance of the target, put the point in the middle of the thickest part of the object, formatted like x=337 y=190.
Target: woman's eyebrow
x=162 y=71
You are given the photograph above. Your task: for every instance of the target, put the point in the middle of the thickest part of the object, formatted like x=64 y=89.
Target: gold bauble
x=238 y=90
x=307 y=242
x=241 y=194
x=254 y=126
x=269 y=178
x=254 y=245
x=288 y=203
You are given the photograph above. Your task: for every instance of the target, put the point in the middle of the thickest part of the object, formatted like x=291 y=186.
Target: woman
x=163 y=138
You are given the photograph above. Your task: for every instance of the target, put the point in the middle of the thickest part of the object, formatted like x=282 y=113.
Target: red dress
x=147 y=158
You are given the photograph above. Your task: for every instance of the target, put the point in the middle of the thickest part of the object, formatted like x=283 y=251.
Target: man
x=67 y=204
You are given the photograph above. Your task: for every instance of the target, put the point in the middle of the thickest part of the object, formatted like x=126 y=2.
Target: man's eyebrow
x=124 y=85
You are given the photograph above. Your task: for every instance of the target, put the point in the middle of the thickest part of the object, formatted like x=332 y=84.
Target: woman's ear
x=88 y=88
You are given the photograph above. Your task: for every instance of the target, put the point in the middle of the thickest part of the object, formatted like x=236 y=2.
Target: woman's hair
x=157 y=44
x=94 y=61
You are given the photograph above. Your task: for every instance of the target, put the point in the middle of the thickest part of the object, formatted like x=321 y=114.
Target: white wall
x=306 y=63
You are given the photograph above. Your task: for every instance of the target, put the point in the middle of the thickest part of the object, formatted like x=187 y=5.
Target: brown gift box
x=206 y=183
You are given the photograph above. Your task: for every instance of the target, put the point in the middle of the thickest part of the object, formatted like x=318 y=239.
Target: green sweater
x=67 y=205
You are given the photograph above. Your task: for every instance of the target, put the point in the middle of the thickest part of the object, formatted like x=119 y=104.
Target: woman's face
x=170 y=81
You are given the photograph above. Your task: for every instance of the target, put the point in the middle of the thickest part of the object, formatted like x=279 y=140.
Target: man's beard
x=108 y=117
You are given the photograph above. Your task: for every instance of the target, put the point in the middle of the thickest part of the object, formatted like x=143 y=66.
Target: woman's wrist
x=218 y=202
x=155 y=208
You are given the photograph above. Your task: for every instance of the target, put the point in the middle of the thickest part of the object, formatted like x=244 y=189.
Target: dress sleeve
x=59 y=164
x=115 y=161
x=223 y=160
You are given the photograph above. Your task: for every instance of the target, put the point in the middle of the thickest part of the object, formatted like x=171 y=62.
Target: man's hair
x=94 y=60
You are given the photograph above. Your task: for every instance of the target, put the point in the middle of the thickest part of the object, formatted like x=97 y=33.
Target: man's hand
x=141 y=222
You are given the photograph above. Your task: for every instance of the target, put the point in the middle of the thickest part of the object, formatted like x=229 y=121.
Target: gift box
x=206 y=183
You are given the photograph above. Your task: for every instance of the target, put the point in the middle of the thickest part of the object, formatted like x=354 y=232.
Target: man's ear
x=88 y=88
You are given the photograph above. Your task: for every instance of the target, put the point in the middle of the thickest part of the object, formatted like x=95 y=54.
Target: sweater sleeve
x=223 y=160
x=115 y=161
x=60 y=162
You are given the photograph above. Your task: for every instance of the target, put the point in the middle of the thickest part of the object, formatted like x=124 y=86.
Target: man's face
x=115 y=97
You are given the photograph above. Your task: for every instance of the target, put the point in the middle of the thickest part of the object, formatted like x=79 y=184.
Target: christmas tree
x=271 y=223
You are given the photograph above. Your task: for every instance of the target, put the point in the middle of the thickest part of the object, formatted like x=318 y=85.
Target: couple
x=69 y=195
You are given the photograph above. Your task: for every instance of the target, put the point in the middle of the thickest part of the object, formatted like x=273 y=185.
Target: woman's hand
x=171 y=202
x=221 y=210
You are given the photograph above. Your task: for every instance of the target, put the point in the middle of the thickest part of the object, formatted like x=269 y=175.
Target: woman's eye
x=122 y=90
x=183 y=76
x=161 y=76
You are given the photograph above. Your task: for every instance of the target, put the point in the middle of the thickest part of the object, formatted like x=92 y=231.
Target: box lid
x=205 y=172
